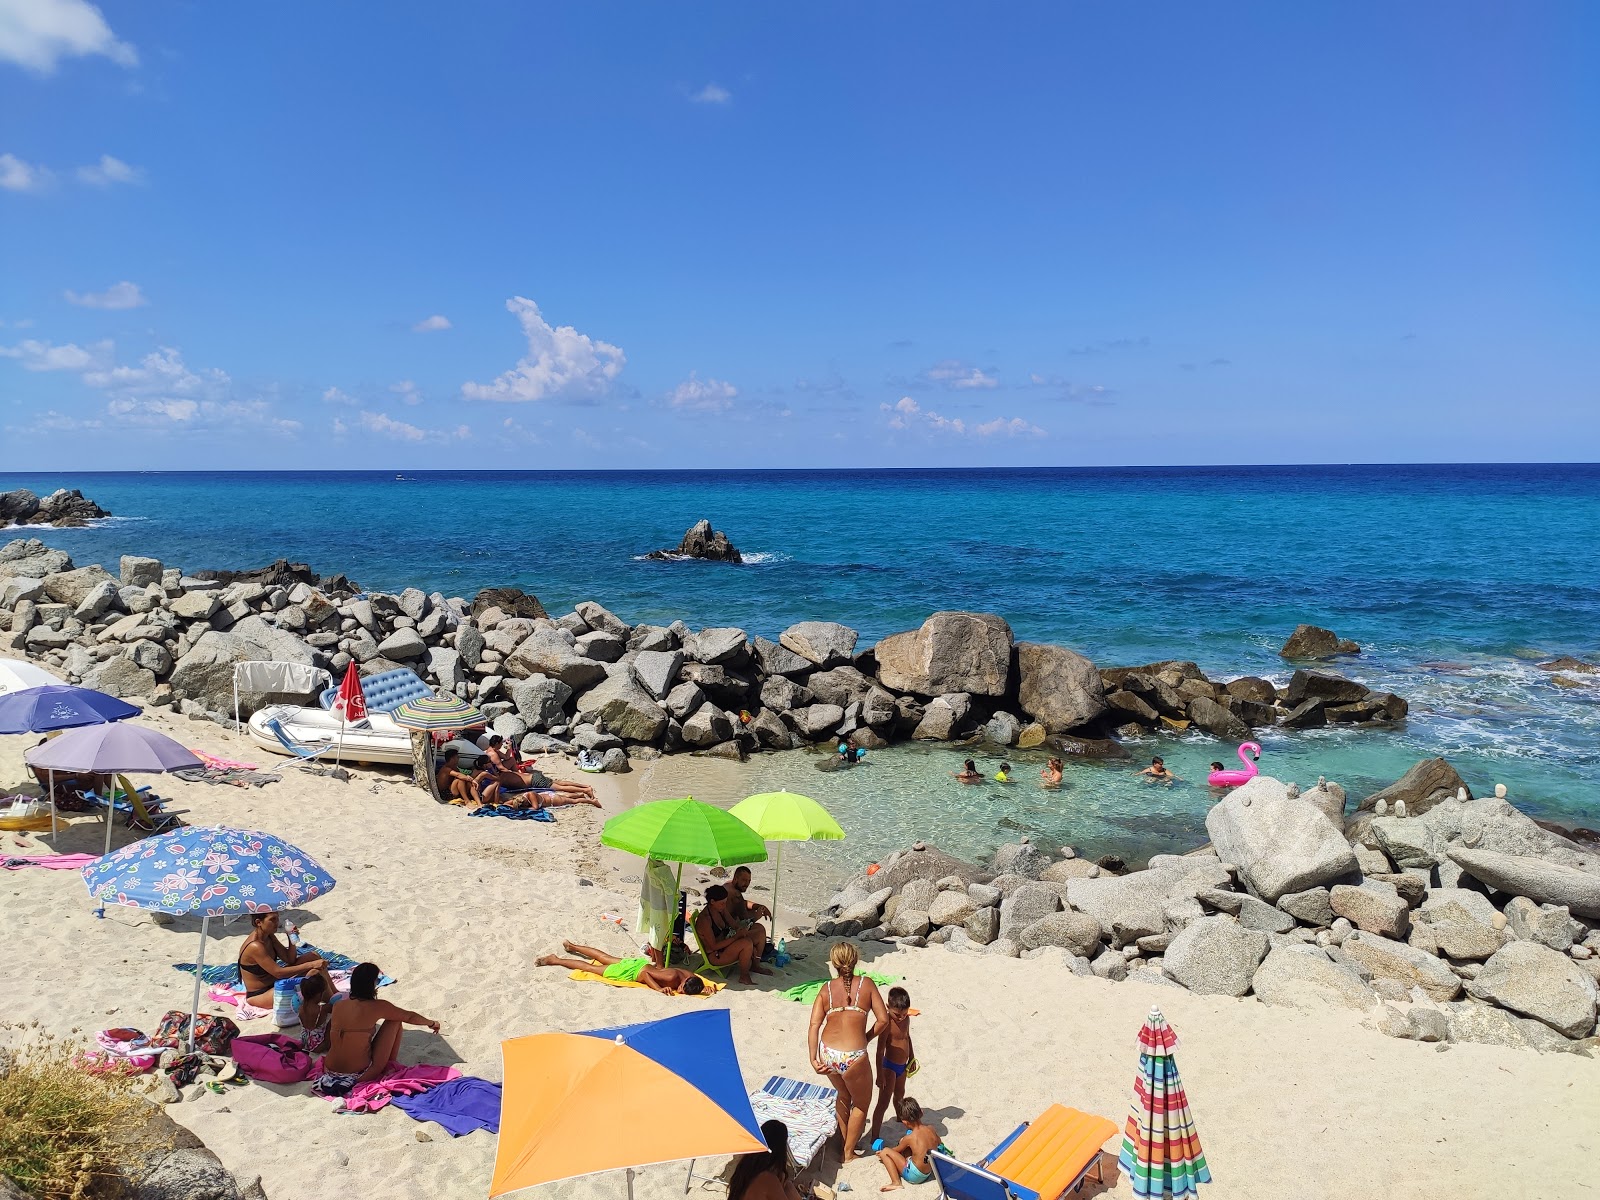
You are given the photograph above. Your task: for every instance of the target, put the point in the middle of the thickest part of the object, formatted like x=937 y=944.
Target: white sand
x=1289 y=1104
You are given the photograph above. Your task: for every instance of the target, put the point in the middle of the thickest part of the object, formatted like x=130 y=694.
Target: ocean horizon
x=1457 y=580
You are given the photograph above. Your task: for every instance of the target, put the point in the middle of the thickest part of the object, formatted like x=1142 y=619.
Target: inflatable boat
x=376 y=739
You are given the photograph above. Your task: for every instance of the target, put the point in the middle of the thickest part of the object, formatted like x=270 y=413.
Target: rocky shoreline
x=1446 y=918
x=588 y=680
x=64 y=508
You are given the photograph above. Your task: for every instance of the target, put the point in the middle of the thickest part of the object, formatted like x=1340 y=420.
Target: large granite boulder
x=70 y=587
x=1136 y=905
x=821 y=643
x=1206 y=714
x=1313 y=641
x=17 y=506
x=1374 y=906
x=657 y=670
x=67 y=507
x=1074 y=932
x=1305 y=977
x=624 y=708
x=1279 y=842
x=1216 y=956
x=718 y=645
x=1548 y=924
x=778 y=660
x=1058 y=687
x=550 y=652
x=1537 y=982
x=1536 y=878
x=839 y=685
x=403 y=646
x=540 y=700
x=205 y=673
x=1406 y=965
x=951 y=652
x=1458 y=923
x=1409 y=842
x=1426 y=784
x=702 y=542
x=512 y=602
x=121 y=676
x=1312 y=906
x=30 y=558
x=1025 y=904
x=136 y=571
x=707 y=726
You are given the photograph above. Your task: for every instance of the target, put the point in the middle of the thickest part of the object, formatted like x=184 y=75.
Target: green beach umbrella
x=680 y=831
x=786 y=817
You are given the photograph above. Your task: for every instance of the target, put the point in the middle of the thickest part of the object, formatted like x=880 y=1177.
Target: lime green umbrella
x=680 y=831
x=786 y=817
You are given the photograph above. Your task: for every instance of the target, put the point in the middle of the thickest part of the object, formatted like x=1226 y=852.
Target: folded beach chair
x=706 y=965
x=1042 y=1159
x=144 y=809
x=300 y=750
x=806 y=1108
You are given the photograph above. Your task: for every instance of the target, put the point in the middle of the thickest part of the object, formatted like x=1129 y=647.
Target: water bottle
x=293 y=930
x=286 y=1003
x=782 y=959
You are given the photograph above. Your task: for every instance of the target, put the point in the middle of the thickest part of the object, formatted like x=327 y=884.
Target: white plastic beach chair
x=806 y=1108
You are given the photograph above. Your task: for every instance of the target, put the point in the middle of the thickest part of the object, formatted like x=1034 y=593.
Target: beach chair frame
x=304 y=753
x=706 y=965
x=997 y=1187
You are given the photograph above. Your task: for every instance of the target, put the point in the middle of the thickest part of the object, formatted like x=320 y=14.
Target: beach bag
x=286 y=1003
x=272 y=1058
x=212 y=1035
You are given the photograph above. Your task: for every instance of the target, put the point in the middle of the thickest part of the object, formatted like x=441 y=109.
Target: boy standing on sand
x=895 y=1056
x=909 y=1160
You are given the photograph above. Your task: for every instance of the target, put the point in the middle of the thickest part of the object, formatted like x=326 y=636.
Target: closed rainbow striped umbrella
x=1160 y=1148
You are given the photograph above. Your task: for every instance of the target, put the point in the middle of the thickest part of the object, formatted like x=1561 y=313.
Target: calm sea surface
x=1455 y=580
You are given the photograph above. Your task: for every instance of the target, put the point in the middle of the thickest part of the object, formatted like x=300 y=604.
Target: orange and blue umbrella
x=615 y=1099
x=1160 y=1148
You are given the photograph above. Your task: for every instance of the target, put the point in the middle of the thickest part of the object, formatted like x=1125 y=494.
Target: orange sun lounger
x=1043 y=1159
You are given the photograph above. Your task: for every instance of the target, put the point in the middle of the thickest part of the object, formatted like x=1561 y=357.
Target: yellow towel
x=712 y=987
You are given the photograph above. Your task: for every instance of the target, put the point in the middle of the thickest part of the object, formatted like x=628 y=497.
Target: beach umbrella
x=616 y=1099
x=207 y=873
x=112 y=749
x=1160 y=1149
x=432 y=714
x=350 y=704
x=17 y=673
x=680 y=831
x=52 y=706
x=786 y=817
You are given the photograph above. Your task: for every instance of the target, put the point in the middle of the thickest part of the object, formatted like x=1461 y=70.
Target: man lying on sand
x=669 y=981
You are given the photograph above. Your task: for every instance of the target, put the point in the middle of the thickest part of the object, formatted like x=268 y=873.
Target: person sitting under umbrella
x=746 y=915
x=263 y=960
x=766 y=1176
x=69 y=786
x=669 y=980
x=724 y=942
x=363 y=1035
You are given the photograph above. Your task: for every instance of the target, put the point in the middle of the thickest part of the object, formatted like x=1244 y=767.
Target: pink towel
x=223 y=994
x=398 y=1080
x=224 y=764
x=50 y=862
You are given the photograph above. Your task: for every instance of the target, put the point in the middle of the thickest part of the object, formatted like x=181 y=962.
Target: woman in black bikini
x=725 y=943
x=263 y=960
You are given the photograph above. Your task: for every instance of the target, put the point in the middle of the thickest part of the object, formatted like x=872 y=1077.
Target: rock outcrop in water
x=701 y=541
x=63 y=508
x=1313 y=641
x=1386 y=916
x=590 y=680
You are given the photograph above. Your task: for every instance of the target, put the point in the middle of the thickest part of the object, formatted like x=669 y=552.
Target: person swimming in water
x=1050 y=777
x=969 y=772
x=1157 y=771
x=1003 y=775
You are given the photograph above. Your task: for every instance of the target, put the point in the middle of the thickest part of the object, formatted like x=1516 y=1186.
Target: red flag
x=351 y=702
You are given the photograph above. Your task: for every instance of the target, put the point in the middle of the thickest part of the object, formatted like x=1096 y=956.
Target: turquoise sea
x=1456 y=579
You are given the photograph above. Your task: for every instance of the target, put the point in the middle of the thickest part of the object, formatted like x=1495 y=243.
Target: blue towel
x=516 y=814
x=460 y=1106
x=228 y=973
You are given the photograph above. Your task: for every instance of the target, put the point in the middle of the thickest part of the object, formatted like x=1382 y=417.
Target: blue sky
x=517 y=235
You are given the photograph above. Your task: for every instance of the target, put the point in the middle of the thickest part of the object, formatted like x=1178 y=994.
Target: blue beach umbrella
x=207 y=873
x=54 y=706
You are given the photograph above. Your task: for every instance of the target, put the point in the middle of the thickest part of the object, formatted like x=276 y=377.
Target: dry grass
x=64 y=1133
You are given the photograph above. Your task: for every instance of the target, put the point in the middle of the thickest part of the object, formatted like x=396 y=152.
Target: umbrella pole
x=199 y=978
x=777 y=870
x=52 y=799
x=111 y=810
x=677 y=897
x=630 y=1183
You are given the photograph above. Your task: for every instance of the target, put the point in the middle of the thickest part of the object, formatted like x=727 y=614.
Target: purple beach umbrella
x=113 y=749
x=55 y=706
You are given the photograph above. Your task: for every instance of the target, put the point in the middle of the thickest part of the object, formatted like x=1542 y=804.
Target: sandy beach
x=1288 y=1103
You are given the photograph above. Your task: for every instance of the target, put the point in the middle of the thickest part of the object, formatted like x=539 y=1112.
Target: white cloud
x=117 y=296
x=43 y=356
x=702 y=395
x=906 y=413
x=161 y=374
x=19 y=176
x=38 y=34
x=383 y=425
x=712 y=93
x=431 y=324
x=407 y=391
x=958 y=376
x=108 y=170
x=334 y=396
x=561 y=363
x=1014 y=427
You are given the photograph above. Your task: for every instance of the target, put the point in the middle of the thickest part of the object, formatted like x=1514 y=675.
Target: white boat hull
x=376 y=740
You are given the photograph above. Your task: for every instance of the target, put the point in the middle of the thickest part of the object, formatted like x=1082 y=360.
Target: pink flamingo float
x=1222 y=779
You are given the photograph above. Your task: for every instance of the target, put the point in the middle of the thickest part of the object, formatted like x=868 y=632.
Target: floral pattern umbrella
x=207 y=873
x=1160 y=1148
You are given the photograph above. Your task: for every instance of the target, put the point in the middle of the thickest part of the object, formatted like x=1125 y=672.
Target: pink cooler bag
x=272 y=1058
